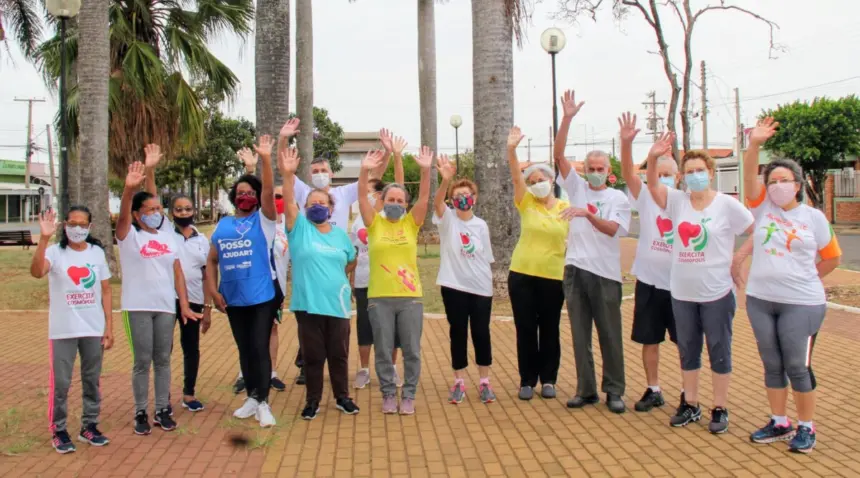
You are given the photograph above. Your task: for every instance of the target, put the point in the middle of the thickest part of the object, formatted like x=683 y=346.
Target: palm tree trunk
x=427 y=88
x=74 y=162
x=305 y=84
x=493 y=110
x=272 y=67
x=94 y=71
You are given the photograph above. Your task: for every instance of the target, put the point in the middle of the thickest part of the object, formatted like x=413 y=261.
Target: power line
x=771 y=95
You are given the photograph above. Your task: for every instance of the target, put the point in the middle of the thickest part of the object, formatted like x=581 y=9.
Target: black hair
x=64 y=240
x=177 y=197
x=391 y=186
x=250 y=180
x=790 y=165
x=137 y=201
x=376 y=185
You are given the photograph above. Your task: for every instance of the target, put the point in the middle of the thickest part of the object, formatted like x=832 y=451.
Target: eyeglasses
x=252 y=194
x=183 y=209
x=781 y=181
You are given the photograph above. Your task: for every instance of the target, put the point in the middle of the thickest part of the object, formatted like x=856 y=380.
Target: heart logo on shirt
x=85 y=276
x=695 y=234
x=593 y=209
x=664 y=226
x=468 y=245
x=362 y=235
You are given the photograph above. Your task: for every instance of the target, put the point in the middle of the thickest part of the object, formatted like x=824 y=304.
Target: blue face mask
x=318 y=214
x=668 y=181
x=152 y=221
x=393 y=211
x=698 y=181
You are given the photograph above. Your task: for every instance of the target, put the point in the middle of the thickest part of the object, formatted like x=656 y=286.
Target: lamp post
x=552 y=40
x=456 y=122
x=63 y=10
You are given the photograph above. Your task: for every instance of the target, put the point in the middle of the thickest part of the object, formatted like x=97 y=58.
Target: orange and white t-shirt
x=786 y=245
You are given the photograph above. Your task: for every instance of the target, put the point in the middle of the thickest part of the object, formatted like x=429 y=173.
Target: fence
x=846 y=183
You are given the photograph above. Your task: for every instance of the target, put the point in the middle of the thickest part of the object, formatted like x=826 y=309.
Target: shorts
x=363 y=328
x=713 y=320
x=279 y=301
x=652 y=315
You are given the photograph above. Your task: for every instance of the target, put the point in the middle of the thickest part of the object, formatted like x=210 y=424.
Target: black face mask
x=184 y=221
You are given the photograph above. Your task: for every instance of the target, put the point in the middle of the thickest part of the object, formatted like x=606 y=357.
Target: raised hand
x=47 y=223
x=136 y=175
x=153 y=155
x=264 y=147
x=386 y=139
x=290 y=128
x=447 y=169
x=399 y=145
x=763 y=131
x=573 y=212
x=569 y=104
x=288 y=161
x=627 y=122
x=372 y=160
x=248 y=158
x=663 y=146
x=425 y=157
x=514 y=137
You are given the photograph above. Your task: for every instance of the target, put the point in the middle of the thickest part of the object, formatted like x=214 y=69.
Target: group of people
x=568 y=251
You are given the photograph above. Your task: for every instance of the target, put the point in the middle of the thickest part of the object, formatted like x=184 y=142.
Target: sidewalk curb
x=846 y=308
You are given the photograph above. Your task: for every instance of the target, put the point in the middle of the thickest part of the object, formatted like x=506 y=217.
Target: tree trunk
x=687 y=82
x=817 y=193
x=305 y=84
x=94 y=72
x=493 y=110
x=427 y=90
x=272 y=67
x=74 y=161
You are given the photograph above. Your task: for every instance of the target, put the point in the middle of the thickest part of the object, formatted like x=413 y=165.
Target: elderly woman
x=536 y=273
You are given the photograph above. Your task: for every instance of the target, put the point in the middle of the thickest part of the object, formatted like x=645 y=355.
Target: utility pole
x=704 y=108
x=29 y=151
x=655 y=121
x=613 y=146
x=51 y=161
x=739 y=135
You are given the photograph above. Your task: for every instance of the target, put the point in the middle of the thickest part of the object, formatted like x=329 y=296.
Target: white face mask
x=320 y=180
x=541 y=189
x=77 y=234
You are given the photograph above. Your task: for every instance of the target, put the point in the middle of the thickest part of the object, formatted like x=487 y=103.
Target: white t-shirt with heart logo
x=147 y=270
x=344 y=197
x=466 y=254
x=75 y=291
x=358 y=236
x=656 y=234
x=703 y=246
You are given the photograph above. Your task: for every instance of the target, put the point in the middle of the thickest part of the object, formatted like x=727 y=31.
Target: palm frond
x=23 y=19
x=142 y=69
x=192 y=118
x=48 y=54
x=218 y=16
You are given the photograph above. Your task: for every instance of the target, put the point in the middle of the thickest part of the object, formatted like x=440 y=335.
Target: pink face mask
x=781 y=193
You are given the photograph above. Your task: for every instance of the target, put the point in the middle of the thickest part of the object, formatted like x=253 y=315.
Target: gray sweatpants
x=151 y=337
x=785 y=334
x=395 y=318
x=63 y=353
x=592 y=299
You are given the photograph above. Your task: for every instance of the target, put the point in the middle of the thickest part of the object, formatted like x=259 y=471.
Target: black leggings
x=536 y=303
x=252 y=328
x=189 y=338
x=461 y=308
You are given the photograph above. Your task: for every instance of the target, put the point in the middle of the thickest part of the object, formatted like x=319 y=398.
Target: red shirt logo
x=153 y=249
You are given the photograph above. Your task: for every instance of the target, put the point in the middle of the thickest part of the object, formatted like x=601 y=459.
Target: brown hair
x=463 y=183
x=699 y=154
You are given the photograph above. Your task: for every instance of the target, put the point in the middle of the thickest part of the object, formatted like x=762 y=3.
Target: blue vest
x=243 y=261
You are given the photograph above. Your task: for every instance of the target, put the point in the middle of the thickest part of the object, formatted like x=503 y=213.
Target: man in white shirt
x=599 y=216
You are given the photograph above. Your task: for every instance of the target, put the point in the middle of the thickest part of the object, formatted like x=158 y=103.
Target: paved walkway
x=510 y=437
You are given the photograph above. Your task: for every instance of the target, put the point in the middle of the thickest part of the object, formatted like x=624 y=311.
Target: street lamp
x=552 y=40
x=456 y=122
x=63 y=10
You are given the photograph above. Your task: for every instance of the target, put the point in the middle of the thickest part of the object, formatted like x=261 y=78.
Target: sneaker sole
x=164 y=427
x=489 y=400
x=359 y=387
x=148 y=432
x=311 y=417
x=242 y=416
x=346 y=412
x=454 y=401
x=83 y=439
x=407 y=413
x=64 y=452
x=278 y=389
x=802 y=450
x=679 y=425
x=191 y=409
x=389 y=412
x=718 y=432
x=647 y=408
x=767 y=441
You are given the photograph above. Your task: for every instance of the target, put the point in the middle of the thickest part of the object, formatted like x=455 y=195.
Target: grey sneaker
x=362 y=378
x=389 y=404
x=547 y=391
x=458 y=392
x=397 y=380
x=526 y=392
x=719 y=421
x=407 y=406
x=487 y=395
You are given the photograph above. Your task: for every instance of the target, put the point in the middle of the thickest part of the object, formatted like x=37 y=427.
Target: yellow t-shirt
x=540 y=249
x=393 y=251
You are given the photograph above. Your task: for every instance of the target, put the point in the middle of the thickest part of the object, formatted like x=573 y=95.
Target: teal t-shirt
x=320 y=285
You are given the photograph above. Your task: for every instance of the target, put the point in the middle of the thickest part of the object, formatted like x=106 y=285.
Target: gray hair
x=391 y=186
x=603 y=154
x=545 y=169
x=669 y=159
x=790 y=165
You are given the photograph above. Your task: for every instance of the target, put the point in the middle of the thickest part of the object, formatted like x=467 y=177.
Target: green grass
x=13 y=440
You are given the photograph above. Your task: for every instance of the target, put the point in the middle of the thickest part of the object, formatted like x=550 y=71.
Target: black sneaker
x=141 y=423
x=719 y=421
x=170 y=409
x=311 y=410
x=615 y=403
x=803 y=441
x=192 y=406
x=650 y=400
x=346 y=405
x=162 y=419
x=300 y=380
x=772 y=433
x=91 y=434
x=62 y=442
x=685 y=415
x=579 y=402
x=278 y=385
x=239 y=386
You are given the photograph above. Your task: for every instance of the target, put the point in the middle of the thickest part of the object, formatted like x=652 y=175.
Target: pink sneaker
x=389 y=404
x=407 y=406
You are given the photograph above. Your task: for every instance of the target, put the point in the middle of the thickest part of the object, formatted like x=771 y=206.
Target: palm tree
x=427 y=86
x=21 y=19
x=94 y=55
x=156 y=47
x=494 y=25
x=305 y=83
x=272 y=66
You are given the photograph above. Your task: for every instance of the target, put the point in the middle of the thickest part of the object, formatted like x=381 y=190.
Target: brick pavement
x=510 y=437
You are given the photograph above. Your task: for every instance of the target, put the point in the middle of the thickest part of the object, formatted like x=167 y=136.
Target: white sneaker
x=264 y=415
x=248 y=409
